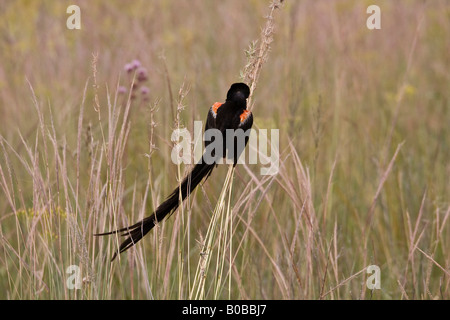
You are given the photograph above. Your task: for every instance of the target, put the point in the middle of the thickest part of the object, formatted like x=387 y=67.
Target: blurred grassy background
x=340 y=93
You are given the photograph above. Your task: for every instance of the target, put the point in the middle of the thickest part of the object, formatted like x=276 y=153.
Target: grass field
x=364 y=128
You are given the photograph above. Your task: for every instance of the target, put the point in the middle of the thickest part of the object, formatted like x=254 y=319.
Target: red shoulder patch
x=244 y=115
x=216 y=106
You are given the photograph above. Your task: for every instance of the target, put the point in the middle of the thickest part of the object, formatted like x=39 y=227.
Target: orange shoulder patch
x=216 y=106
x=244 y=115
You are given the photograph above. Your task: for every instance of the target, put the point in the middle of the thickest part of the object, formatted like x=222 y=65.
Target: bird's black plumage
x=232 y=114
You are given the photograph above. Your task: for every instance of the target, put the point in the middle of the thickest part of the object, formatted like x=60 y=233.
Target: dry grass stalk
x=257 y=56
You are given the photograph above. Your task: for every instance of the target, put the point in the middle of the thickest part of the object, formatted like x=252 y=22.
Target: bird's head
x=238 y=92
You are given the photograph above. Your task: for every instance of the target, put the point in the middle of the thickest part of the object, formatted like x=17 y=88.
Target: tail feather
x=138 y=230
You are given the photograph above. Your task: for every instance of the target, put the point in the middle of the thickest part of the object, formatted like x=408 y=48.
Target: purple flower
x=129 y=67
x=142 y=74
x=136 y=64
x=122 y=90
x=133 y=65
x=145 y=90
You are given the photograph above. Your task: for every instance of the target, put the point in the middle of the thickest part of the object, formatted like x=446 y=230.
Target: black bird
x=232 y=114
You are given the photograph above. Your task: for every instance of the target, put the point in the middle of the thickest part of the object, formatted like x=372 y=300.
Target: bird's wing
x=245 y=123
x=211 y=118
x=212 y=115
x=246 y=120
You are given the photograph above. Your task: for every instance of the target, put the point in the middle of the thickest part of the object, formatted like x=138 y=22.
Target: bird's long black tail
x=138 y=230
